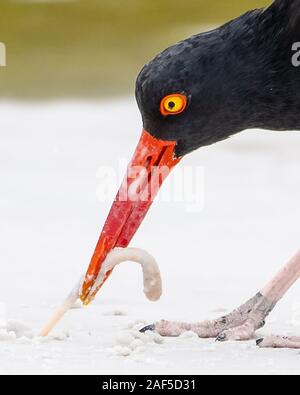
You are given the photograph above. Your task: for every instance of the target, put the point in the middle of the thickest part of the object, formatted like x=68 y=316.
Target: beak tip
x=86 y=299
x=84 y=294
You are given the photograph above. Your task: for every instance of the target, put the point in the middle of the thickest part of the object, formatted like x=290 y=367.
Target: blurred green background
x=95 y=48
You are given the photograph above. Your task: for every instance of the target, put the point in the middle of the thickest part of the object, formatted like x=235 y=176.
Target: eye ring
x=173 y=104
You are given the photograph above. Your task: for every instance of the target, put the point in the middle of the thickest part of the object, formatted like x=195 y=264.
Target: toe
x=280 y=342
x=148 y=328
x=240 y=333
x=221 y=338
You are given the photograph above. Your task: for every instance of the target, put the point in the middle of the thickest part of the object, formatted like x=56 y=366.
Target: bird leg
x=247 y=319
x=276 y=290
x=242 y=323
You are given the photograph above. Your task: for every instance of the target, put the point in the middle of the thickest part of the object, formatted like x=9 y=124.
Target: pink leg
x=243 y=322
x=211 y=329
x=272 y=293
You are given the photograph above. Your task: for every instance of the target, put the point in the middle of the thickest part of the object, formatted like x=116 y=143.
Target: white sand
x=215 y=259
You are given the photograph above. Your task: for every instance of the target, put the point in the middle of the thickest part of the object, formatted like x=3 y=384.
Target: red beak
x=152 y=162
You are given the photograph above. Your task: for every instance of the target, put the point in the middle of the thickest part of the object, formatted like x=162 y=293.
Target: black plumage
x=239 y=76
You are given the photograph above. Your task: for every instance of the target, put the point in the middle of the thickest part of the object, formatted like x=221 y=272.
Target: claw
x=259 y=341
x=221 y=338
x=148 y=328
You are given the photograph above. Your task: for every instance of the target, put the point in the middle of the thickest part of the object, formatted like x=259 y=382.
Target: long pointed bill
x=152 y=162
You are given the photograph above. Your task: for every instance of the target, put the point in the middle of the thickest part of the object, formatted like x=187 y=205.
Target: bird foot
x=241 y=324
x=279 y=342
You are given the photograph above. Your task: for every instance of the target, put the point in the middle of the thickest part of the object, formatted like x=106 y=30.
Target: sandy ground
x=211 y=261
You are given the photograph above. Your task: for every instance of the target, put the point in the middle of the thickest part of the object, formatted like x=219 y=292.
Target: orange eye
x=173 y=104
